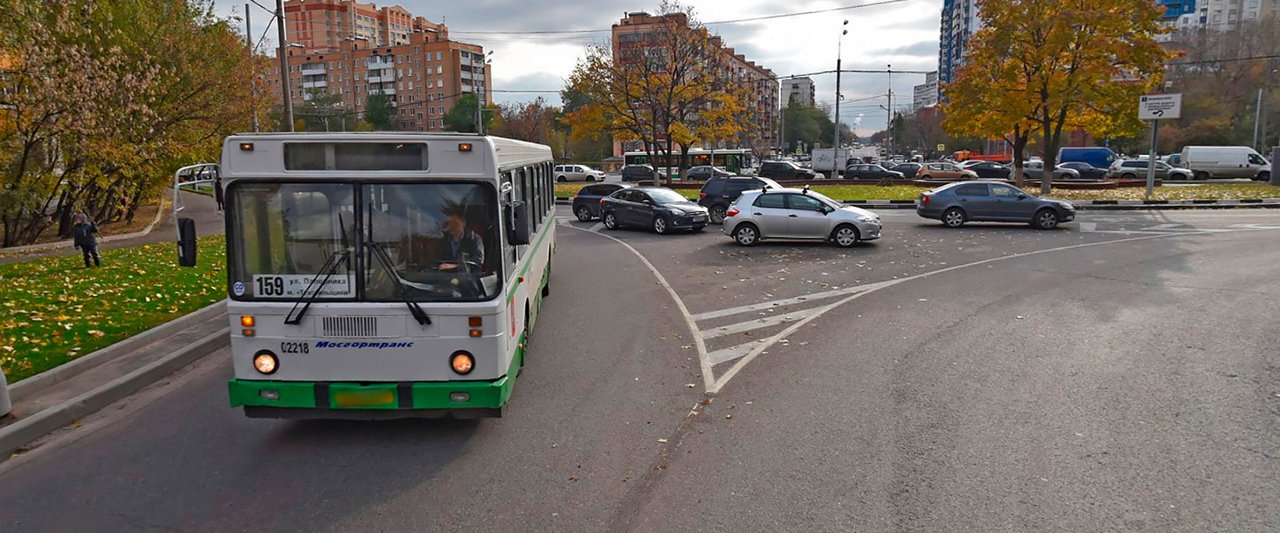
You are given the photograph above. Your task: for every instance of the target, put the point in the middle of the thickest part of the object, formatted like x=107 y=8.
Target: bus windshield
x=428 y=242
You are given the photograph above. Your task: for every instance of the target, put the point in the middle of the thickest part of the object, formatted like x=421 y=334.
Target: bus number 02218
x=295 y=347
x=270 y=286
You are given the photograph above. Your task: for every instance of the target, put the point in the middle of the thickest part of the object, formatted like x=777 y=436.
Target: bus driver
x=460 y=243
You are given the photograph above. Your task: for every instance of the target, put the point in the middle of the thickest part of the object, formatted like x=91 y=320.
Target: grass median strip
x=1212 y=191
x=56 y=310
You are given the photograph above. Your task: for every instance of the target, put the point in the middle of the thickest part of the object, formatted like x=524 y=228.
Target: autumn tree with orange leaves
x=665 y=86
x=1039 y=67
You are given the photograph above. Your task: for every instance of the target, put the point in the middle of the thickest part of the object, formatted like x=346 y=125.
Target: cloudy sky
x=903 y=34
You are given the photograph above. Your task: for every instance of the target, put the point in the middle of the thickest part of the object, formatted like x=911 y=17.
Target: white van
x=1225 y=162
x=577 y=173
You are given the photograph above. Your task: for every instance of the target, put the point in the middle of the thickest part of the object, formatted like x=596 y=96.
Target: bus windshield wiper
x=414 y=308
x=300 y=307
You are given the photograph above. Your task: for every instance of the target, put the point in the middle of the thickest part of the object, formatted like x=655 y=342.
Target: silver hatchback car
x=797 y=214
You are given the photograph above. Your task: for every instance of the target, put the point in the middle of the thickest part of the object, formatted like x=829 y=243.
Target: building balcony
x=315 y=84
x=380 y=64
x=313 y=70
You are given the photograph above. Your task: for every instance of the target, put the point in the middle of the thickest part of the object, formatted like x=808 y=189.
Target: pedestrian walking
x=85 y=235
x=217 y=191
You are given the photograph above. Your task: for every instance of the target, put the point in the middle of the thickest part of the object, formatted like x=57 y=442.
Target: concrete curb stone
x=22 y=432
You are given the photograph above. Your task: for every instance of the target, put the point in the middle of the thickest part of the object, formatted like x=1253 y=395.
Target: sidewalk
x=54 y=399
x=198 y=206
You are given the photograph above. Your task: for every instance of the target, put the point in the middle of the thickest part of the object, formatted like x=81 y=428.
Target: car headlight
x=868 y=218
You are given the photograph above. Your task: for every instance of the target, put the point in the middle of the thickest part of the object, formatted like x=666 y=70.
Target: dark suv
x=586 y=204
x=720 y=192
x=784 y=170
x=640 y=173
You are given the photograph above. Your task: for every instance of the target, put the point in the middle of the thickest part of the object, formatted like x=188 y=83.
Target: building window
x=439 y=56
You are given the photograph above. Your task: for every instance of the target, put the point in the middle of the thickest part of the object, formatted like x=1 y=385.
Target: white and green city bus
x=383 y=275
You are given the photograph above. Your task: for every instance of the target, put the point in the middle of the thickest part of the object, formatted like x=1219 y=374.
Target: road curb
x=22 y=432
x=69 y=242
x=110 y=353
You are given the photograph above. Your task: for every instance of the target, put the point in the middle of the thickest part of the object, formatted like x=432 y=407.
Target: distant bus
x=733 y=160
x=365 y=282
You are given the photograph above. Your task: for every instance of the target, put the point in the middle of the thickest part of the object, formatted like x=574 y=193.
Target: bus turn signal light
x=464 y=147
x=246 y=147
x=246 y=321
x=475 y=333
x=461 y=363
x=474 y=321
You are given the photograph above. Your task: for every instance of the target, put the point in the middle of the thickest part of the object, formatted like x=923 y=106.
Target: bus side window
x=508 y=258
x=536 y=208
x=551 y=194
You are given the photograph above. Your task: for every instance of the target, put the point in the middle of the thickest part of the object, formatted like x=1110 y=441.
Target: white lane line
x=1134 y=232
x=755 y=352
x=731 y=353
x=708 y=380
x=563 y=221
x=811 y=297
x=597 y=227
x=756 y=324
x=1087 y=227
x=1164 y=227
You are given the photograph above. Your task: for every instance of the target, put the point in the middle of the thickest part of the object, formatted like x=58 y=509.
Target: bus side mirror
x=186 y=242
x=519 y=224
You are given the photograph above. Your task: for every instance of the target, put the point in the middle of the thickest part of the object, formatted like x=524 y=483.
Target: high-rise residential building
x=633 y=33
x=926 y=94
x=423 y=77
x=324 y=24
x=1218 y=15
x=959 y=22
x=799 y=91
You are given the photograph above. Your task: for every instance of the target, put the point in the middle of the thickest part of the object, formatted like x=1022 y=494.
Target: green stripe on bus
x=426 y=394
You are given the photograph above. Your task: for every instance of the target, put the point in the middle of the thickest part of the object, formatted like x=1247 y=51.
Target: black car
x=990 y=171
x=705 y=172
x=869 y=172
x=1087 y=171
x=720 y=192
x=640 y=173
x=659 y=208
x=784 y=170
x=907 y=169
x=586 y=204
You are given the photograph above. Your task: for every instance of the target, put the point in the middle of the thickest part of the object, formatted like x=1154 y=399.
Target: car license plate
x=699 y=218
x=364 y=398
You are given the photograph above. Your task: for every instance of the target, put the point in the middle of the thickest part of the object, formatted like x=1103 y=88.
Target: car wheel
x=610 y=221
x=746 y=235
x=845 y=236
x=659 y=225
x=717 y=214
x=1264 y=176
x=1127 y=176
x=1045 y=219
x=561 y=179
x=1202 y=175
x=926 y=176
x=583 y=212
x=953 y=217
x=591 y=179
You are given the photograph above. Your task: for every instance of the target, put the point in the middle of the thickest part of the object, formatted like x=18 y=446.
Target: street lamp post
x=839 y=49
x=476 y=91
x=889 y=129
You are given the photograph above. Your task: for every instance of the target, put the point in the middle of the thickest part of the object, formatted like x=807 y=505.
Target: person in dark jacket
x=85 y=238
x=217 y=191
x=460 y=243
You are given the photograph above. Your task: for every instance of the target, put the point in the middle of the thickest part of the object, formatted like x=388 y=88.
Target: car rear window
x=971 y=190
x=714 y=186
x=737 y=186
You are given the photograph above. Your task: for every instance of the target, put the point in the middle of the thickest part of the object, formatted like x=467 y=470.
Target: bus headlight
x=265 y=362
x=461 y=362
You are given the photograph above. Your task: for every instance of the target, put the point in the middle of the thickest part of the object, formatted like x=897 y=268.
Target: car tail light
x=732 y=212
x=924 y=199
x=602 y=203
x=702 y=195
x=920 y=172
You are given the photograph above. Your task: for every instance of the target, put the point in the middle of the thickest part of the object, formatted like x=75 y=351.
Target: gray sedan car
x=957 y=203
x=797 y=214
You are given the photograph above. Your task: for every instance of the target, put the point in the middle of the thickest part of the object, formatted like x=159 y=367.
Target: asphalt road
x=1119 y=373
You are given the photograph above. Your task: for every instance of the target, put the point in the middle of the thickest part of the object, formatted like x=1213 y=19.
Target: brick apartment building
x=353 y=50
x=636 y=28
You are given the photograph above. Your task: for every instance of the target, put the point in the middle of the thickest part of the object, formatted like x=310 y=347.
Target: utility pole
x=839 y=46
x=284 y=67
x=889 y=130
x=1257 y=123
x=253 y=83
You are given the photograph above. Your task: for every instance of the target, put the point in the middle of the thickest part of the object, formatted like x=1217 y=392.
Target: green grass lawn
x=55 y=310
x=1216 y=191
